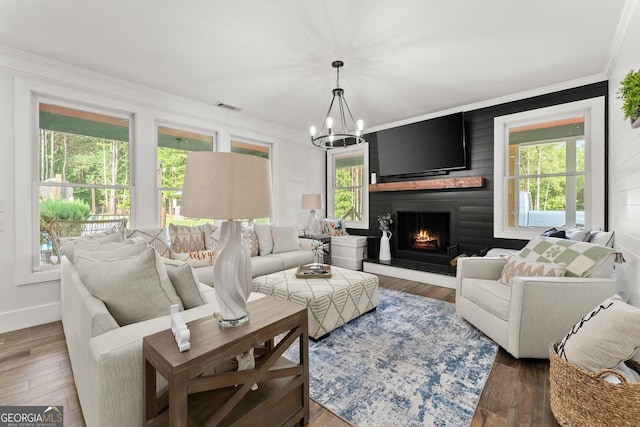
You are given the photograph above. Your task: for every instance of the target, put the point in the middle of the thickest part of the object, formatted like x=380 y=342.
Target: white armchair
x=530 y=314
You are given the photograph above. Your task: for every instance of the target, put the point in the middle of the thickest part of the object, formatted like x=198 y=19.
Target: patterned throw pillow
x=186 y=238
x=606 y=336
x=211 y=236
x=251 y=239
x=333 y=227
x=156 y=238
x=195 y=258
x=581 y=258
x=518 y=267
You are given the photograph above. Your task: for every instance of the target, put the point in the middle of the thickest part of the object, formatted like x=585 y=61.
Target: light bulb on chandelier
x=328 y=137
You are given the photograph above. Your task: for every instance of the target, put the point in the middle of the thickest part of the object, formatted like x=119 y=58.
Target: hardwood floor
x=35 y=370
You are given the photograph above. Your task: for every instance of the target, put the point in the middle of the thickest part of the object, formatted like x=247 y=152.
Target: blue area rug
x=411 y=362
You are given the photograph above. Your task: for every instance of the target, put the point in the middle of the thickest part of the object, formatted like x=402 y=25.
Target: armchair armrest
x=544 y=309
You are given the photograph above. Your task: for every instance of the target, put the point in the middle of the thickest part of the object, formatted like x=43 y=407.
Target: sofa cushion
x=185 y=282
x=516 y=267
x=285 y=239
x=265 y=240
x=261 y=265
x=606 y=336
x=211 y=236
x=491 y=295
x=133 y=289
x=157 y=238
x=293 y=258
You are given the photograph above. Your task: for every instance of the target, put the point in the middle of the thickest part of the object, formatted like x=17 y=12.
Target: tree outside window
x=83 y=168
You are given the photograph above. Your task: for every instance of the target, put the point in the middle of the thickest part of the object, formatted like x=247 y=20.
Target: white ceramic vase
x=385 y=249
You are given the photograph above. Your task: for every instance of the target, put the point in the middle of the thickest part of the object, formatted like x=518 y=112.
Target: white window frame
x=28 y=94
x=331 y=154
x=185 y=128
x=593 y=110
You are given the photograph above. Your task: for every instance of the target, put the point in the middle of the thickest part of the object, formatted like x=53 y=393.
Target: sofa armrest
x=544 y=309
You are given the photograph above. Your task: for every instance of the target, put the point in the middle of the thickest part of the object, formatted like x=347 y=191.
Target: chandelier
x=339 y=136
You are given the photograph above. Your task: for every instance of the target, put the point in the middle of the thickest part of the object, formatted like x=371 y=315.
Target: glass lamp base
x=224 y=323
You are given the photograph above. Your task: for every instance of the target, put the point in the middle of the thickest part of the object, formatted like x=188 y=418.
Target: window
x=348 y=196
x=549 y=169
x=83 y=169
x=253 y=149
x=173 y=146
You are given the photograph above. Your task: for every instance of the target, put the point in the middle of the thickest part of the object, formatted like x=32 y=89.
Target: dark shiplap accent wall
x=475 y=218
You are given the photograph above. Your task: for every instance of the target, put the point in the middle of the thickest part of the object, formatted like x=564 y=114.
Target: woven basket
x=583 y=398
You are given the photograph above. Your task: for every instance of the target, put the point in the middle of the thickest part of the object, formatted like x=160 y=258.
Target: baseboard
x=32 y=316
x=407 y=274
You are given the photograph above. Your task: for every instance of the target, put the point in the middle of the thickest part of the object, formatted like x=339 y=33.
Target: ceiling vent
x=228 y=107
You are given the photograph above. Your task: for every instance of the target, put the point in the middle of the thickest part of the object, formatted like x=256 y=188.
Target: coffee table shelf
x=282 y=397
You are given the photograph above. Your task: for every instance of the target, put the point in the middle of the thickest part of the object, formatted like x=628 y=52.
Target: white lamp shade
x=311 y=201
x=226 y=186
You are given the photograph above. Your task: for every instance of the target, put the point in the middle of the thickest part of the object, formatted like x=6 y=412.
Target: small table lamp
x=313 y=202
x=230 y=186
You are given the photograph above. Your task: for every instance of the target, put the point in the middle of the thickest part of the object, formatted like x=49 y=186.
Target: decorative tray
x=314 y=271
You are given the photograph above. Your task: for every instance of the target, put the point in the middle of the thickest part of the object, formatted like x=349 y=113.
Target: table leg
x=178 y=393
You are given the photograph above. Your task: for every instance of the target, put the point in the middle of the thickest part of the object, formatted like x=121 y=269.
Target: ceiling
x=272 y=58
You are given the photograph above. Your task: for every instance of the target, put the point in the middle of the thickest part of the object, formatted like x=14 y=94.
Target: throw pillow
x=604 y=238
x=333 y=227
x=518 y=267
x=133 y=289
x=184 y=282
x=157 y=238
x=606 y=336
x=285 y=239
x=265 y=241
x=110 y=250
x=186 y=238
x=67 y=244
x=195 y=258
x=554 y=232
x=211 y=236
x=578 y=234
x=581 y=257
x=251 y=240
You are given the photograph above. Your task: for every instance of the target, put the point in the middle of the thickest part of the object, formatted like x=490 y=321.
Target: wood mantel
x=429 y=184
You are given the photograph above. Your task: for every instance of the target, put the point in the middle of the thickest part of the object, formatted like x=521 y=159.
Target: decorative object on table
x=366 y=384
x=327 y=137
x=385 y=222
x=313 y=202
x=230 y=186
x=318 y=248
x=247 y=361
x=311 y=271
x=179 y=329
x=629 y=93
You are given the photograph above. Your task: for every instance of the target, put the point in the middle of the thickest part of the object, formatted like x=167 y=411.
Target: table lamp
x=313 y=202
x=228 y=186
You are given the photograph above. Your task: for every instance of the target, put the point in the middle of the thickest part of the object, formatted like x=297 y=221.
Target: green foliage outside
x=348 y=193
x=549 y=193
x=60 y=209
x=629 y=93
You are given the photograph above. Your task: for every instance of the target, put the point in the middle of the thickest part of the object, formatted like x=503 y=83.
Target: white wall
x=298 y=167
x=624 y=166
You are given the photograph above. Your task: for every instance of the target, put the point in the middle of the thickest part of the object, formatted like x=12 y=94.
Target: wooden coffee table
x=282 y=397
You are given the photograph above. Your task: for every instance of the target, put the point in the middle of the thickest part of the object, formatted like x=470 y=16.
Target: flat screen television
x=428 y=147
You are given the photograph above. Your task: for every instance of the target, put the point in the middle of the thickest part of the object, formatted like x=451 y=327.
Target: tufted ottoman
x=331 y=302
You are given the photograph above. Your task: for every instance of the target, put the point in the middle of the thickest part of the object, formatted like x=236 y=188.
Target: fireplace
x=423 y=231
x=424 y=235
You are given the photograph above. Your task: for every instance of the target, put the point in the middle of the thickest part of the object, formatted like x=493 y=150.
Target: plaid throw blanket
x=580 y=257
